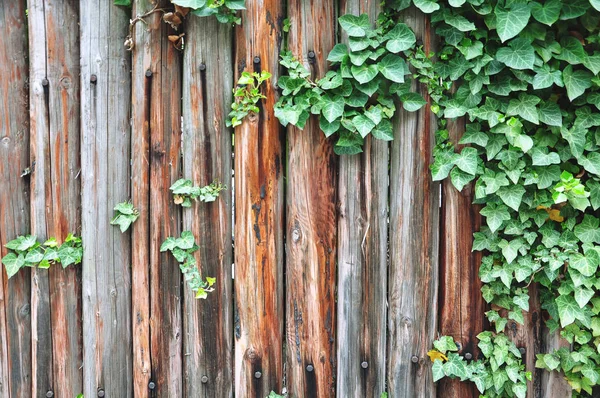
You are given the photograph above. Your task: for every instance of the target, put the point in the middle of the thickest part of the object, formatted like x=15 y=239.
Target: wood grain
x=311 y=220
x=362 y=258
x=105 y=154
x=461 y=305
x=55 y=190
x=15 y=294
x=207 y=94
x=414 y=234
x=554 y=384
x=259 y=168
x=156 y=295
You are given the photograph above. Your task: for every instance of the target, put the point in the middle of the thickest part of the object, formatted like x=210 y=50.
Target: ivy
x=524 y=74
x=184 y=192
x=125 y=215
x=182 y=249
x=358 y=95
x=26 y=251
x=225 y=11
x=247 y=94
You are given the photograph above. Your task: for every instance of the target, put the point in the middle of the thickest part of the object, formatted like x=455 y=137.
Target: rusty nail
x=50 y=393
x=45 y=83
x=204 y=379
x=310 y=368
x=468 y=355
x=202 y=66
x=100 y=393
x=257 y=375
x=257 y=60
x=93 y=79
x=522 y=350
x=311 y=54
x=364 y=365
x=414 y=359
x=151 y=385
x=148 y=73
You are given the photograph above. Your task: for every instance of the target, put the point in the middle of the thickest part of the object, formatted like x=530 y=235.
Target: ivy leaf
x=591 y=163
x=512 y=195
x=412 y=101
x=583 y=296
x=568 y=309
x=545 y=77
x=576 y=81
x=438 y=370
x=364 y=73
x=383 y=131
x=427 y=6
x=332 y=107
x=392 y=67
x=27 y=242
x=442 y=164
x=495 y=215
x=541 y=158
x=459 y=22
x=571 y=51
x=511 y=22
x=68 y=255
x=467 y=160
x=459 y=178
x=550 y=114
x=546 y=13
x=518 y=55
x=575 y=136
x=363 y=124
x=338 y=53
x=595 y=4
x=186 y=241
x=328 y=128
x=195 y=4
x=445 y=344
x=510 y=250
x=525 y=107
x=355 y=26
x=13 y=263
x=585 y=264
x=519 y=389
x=587 y=231
x=400 y=38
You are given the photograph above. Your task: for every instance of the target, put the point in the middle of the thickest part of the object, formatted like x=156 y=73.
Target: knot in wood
x=113 y=292
x=296 y=234
x=6 y=141
x=25 y=310
x=65 y=82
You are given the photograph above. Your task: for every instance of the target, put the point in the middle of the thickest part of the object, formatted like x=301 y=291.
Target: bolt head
x=257 y=375
x=151 y=385
x=202 y=66
x=364 y=365
x=310 y=368
x=311 y=54
x=204 y=379
x=49 y=393
x=101 y=393
x=257 y=59
x=414 y=359
x=45 y=82
x=522 y=350
x=468 y=355
x=93 y=78
x=148 y=73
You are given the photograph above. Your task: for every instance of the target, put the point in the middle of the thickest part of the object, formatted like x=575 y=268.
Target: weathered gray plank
x=414 y=234
x=362 y=258
x=208 y=324
x=55 y=205
x=554 y=384
x=259 y=169
x=15 y=330
x=311 y=220
x=105 y=154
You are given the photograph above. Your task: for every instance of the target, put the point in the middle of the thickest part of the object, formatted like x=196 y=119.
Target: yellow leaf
x=555 y=215
x=435 y=354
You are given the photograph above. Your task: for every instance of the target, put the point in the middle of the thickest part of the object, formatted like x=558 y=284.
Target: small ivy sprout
x=286 y=25
x=247 y=94
x=125 y=215
x=184 y=192
x=182 y=249
x=572 y=190
x=27 y=251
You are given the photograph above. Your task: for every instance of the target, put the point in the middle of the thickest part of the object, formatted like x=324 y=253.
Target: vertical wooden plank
x=54 y=56
x=258 y=242
x=554 y=384
x=208 y=324
x=414 y=234
x=362 y=258
x=105 y=155
x=311 y=220
x=15 y=331
x=156 y=295
x=461 y=305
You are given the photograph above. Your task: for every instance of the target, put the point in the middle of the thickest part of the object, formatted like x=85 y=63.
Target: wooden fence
x=345 y=268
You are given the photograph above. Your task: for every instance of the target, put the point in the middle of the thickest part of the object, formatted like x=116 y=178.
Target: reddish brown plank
x=414 y=249
x=461 y=305
x=55 y=190
x=15 y=330
x=258 y=245
x=105 y=157
x=156 y=295
x=311 y=220
x=208 y=324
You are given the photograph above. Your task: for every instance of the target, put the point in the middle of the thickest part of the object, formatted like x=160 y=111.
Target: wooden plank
x=55 y=205
x=414 y=234
x=311 y=220
x=554 y=384
x=156 y=296
x=362 y=258
x=208 y=324
x=15 y=331
x=461 y=305
x=259 y=168
x=105 y=155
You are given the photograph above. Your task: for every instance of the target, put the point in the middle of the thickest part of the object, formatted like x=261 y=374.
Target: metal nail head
x=364 y=365
x=148 y=73
x=257 y=375
x=257 y=60
x=202 y=66
x=310 y=368
x=152 y=385
x=45 y=82
x=49 y=393
x=93 y=79
x=204 y=379
x=101 y=393
x=522 y=350
x=414 y=359
x=311 y=54
x=468 y=355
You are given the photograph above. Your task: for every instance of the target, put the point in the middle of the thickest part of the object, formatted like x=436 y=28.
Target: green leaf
x=125 y=208
x=520 y=390
x=550 y=114
x=459 y=178
x=510 y=250
x=412 y=101
x=168 y=244
x=383 y=131
x=546 y=13
x=13 y=263
x=585 y=264
x=126 y=3
x=364 y=73
x=525 y=107
x=540 y=157
x=186 y=241
x=583 y=296
x=427 y=6
x=509 y=23
x=333 y=108
x=337 y=53
x=392 y=67
x=363 y=124
x=512 y=195
x=445 y=344
x=459 y=22
x=587 y=231
x=467 y=160
x=519 y=55
x=190 y=3
x=355 y=26
x=576 y=81
x=68 y=255
x=400 y=38
x=438 y=370
x=568 y=310
x=495 y=215
x=571 y=51
x=26 y=243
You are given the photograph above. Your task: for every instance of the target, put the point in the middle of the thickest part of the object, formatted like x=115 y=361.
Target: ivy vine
x=184 y=192
x=530 y=92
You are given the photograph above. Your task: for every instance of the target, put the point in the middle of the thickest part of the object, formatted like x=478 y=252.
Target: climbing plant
x=357 y=96
x=184 y=192
x=524 y=75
